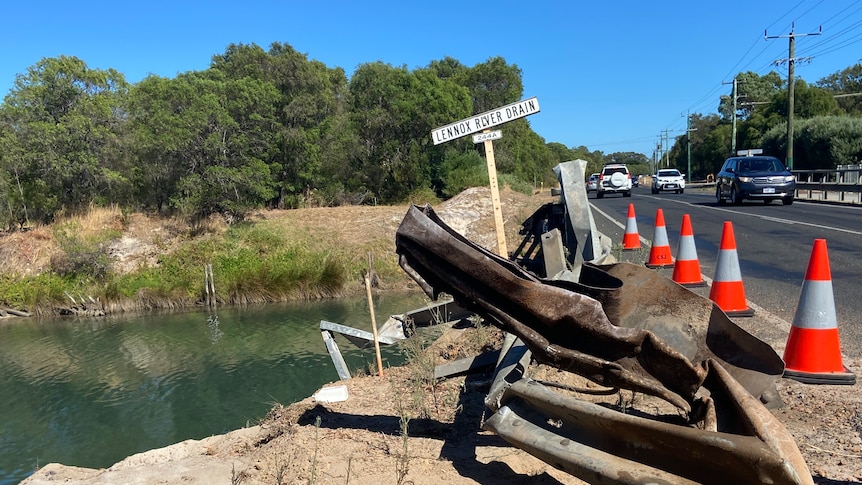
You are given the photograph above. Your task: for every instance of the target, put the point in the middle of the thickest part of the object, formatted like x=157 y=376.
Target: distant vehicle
x=756 y=178
x=593 y=182
x=635 y=182
x=668 y=179
x=615 y=178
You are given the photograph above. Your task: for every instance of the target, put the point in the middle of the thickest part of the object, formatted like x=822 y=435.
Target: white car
x=615 y=178
x=668 y=179
x=592 y=183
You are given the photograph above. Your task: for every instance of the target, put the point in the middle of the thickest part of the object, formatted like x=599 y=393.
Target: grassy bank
x=132 y=262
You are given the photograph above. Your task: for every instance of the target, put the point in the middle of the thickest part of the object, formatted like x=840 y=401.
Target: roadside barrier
x=727 y=289
x=813 y=351
x=631 y=239
x=659 y=253
x=686 y=269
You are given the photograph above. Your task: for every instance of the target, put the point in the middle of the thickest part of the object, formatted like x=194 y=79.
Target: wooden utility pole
x=791 y=61
x=666 y=141
x=733 y=116
x=688 y=130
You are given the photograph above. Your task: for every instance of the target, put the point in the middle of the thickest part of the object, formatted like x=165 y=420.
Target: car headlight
x=789 y=178
x=745 y=179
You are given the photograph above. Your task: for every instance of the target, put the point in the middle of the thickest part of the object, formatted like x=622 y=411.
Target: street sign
x=490 y=135
x=485 y=120
x=750 y=152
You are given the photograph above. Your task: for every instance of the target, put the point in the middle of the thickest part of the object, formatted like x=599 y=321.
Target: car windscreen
x=761 y=165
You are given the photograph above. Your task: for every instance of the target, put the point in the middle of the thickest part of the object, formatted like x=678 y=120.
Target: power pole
x=666 y=141
x=733 y=118
x=791 y=60
x=688 y=130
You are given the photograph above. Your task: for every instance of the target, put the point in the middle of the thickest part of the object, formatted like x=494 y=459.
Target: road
x=774 y=244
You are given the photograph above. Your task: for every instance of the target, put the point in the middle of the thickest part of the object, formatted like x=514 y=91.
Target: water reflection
x=89 y=392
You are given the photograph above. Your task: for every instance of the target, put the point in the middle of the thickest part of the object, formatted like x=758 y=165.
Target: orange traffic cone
x=727 y=290
x=813 y=352
x=686 y=270
x=659 y=253
x=631 y=239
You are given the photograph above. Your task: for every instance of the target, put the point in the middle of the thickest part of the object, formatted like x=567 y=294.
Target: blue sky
x=610 y=75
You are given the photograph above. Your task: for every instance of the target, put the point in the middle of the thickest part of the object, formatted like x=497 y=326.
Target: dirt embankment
x=357 y=230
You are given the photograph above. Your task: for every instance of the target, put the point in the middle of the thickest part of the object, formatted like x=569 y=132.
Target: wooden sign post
x=483 y=122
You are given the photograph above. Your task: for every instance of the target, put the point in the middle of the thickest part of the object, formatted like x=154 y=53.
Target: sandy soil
x=399 y=428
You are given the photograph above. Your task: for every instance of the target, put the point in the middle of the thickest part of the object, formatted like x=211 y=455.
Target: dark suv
x=756 y=178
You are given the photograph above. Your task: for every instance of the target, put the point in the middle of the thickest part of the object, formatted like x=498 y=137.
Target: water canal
x=89 y=392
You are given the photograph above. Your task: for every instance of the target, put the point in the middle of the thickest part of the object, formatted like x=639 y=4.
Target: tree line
x=271 y=128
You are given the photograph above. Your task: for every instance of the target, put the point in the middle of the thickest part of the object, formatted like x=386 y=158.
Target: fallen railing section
x=396 y=327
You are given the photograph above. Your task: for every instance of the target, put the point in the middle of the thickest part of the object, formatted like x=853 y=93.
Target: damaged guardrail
x=616 y=325
x=705 y=365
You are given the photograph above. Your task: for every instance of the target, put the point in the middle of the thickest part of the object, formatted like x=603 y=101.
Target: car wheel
x=599 y=195
x=735 y=196
x=787 y=201
x=654 y=191
x=681 y=191
x=718 y=198
x=627 y=193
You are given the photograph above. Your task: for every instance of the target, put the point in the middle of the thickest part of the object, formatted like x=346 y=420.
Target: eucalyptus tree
x=847 y=85
x=203 y=142
x=309 y=108
x=752 y=91
x=393 y=112
x=63 y=138
x=492 y=84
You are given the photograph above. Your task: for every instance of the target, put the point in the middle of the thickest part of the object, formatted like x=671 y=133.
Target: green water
x=89 y=392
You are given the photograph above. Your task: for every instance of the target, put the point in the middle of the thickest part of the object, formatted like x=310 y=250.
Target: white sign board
x=485 y=120
x=750 y=152
x=491 y=135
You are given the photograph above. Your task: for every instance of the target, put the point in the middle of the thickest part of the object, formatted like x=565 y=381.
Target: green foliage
x=251 y=263
x=752 y=90
x=461 y=170
x=63 y=138
x=823 y=142
x=27 y=292
x=422 y=196
x=514 y=183
x=809 y=101
x=492 y=84
x=80 y=257
x=846 y=82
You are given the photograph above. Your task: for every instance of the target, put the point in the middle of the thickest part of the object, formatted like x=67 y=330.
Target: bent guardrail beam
x=558 y=321
x=748 y=445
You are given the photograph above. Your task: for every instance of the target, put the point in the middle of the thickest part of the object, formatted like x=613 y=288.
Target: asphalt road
x=774 y=243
